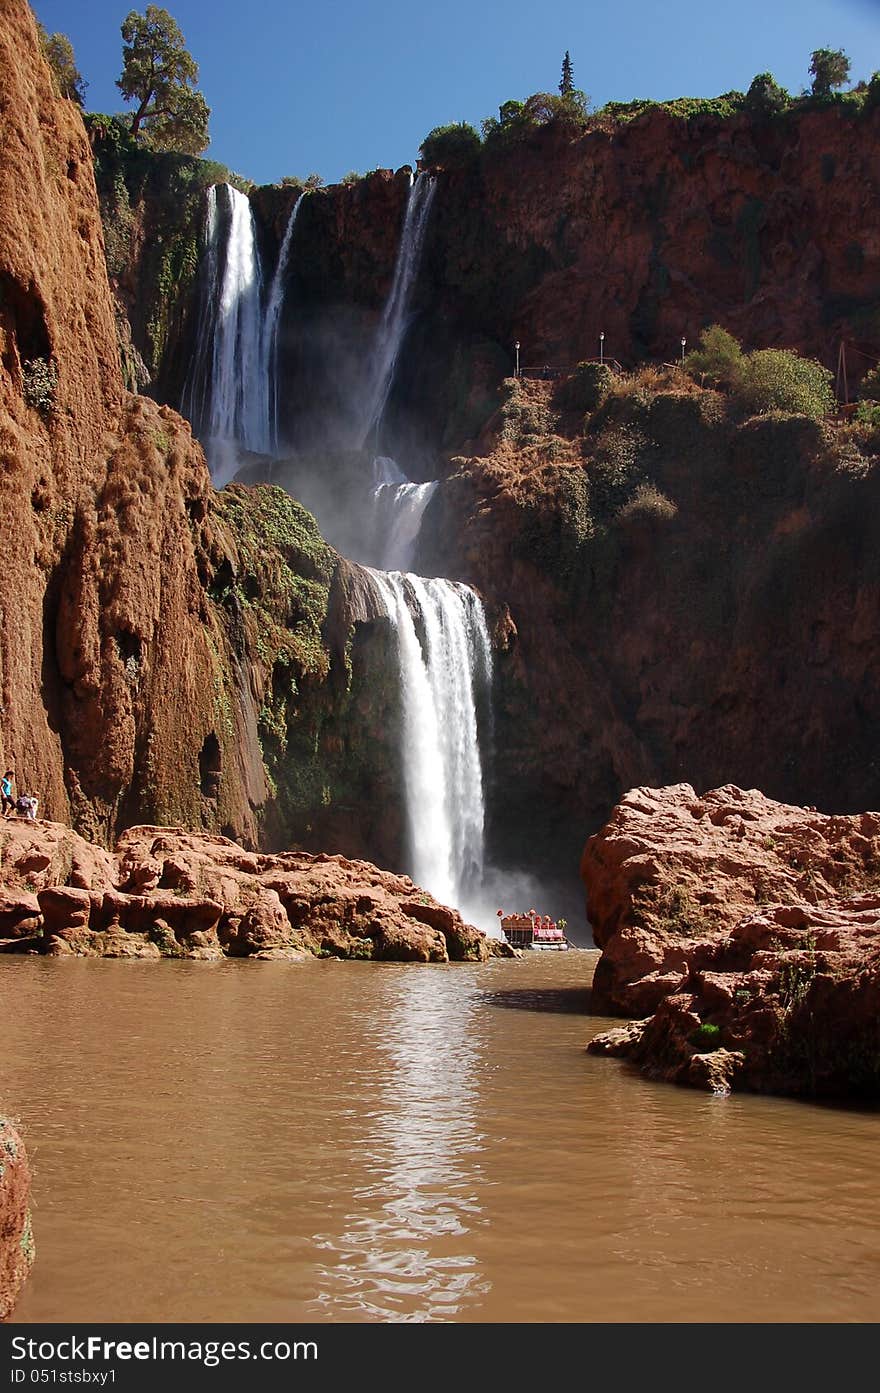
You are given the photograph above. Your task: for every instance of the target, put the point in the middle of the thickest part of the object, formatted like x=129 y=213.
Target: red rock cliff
x=134 y=670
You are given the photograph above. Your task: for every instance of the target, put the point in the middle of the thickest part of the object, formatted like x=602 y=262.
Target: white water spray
x=440 y=676
x=395 y=316
x=271 y=324
x=398 y=509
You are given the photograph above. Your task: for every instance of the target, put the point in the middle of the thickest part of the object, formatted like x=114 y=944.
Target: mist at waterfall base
x=371 y=511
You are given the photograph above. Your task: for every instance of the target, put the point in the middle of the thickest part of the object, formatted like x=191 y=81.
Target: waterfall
x=398 y=507
x=232 y=392
x=239 y=413
x=394 y=321
x=271 y=322
x=440 y=677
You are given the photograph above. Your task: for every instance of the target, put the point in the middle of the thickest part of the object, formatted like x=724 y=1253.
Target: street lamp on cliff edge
x=602 y=346
x=516 y=346
x=683 y=342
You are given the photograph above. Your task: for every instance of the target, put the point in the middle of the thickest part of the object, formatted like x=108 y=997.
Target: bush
x=868 y=413
x=869 y=388
x=352 y=177
x=719 y=357
x=516 y=120
x=587 y=387
x=543 y=108
x=706 y=1039
x=450 y=145
x=648 y=502
x=830 y=68
x=39 y=380
x=765 y=97
x=775 y=379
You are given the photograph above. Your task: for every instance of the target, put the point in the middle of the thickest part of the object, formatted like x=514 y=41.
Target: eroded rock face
x=16 y=1238
x=169 y=893
x=162 y=648
x=746 y=936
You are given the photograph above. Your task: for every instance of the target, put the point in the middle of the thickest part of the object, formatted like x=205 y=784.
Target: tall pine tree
x=566 y=85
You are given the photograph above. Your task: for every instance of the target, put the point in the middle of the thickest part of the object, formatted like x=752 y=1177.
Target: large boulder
x=745 y=935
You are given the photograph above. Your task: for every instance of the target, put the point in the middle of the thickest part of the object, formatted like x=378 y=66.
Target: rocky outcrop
x=746 y=936
x=168 y=893
x=16 y=1238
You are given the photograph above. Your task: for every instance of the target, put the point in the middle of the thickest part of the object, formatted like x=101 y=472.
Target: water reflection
x=405 y=1251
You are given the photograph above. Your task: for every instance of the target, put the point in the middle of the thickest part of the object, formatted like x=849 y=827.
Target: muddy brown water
x=243 y=1141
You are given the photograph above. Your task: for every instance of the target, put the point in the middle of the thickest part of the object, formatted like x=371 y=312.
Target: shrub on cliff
x=647 y=502
x=830 y=68
x=586 y=389
x=771 y=379
x=66 y=76
x=775 y=379
x=451 y=145
x=516 y=120
x=869 y=388
x=718 y=358
x=39 y=382
x=765 y=97
x=569 y=109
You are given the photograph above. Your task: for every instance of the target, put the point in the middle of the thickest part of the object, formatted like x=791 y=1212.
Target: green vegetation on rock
x=830 y=68
x=159 y=194
x=58 y=53
x=587 y=387
x=770 y=379
x=450 y=145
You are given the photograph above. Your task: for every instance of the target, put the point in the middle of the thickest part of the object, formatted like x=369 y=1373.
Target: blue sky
x=356 y=84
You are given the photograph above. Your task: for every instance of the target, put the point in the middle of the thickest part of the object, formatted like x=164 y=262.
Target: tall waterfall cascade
x=395 y=316
x=443 y=651
x=232 y=393
x=441 y=675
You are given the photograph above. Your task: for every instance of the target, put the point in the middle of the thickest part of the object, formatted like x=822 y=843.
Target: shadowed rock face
x=679 y=592
x=16 y=1239
x=168 y=893
x=746 y=935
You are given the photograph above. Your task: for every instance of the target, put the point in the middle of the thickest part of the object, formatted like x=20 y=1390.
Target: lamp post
x=602 y=346
x=683 y=343
x=516 y=346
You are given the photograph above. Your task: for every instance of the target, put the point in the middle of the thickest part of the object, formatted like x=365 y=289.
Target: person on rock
x=8 y=803
x=26 y=806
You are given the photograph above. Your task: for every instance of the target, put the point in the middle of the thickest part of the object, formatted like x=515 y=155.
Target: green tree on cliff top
x=830 y=68
x=160 y=75
x=58 y=53
x=566 y=84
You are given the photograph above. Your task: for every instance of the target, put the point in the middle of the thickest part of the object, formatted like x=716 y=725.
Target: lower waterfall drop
x=440 y=679
x=398 y=508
